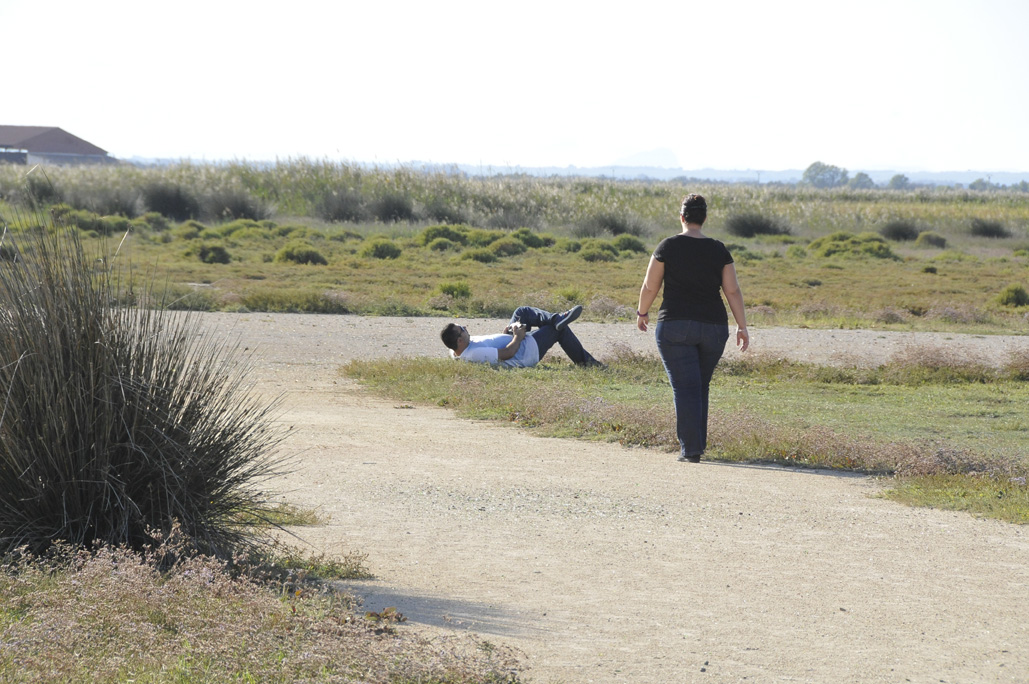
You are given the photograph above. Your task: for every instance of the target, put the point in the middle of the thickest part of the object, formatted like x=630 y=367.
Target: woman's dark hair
x=450 y=335
x=693 y=209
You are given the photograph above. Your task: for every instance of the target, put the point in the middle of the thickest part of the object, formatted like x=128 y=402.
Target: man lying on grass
x=519 y=346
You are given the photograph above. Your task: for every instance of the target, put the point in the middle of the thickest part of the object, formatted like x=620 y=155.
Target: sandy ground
x=605 y=564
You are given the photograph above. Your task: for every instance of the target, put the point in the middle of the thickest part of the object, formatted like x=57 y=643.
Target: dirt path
x=604 y=564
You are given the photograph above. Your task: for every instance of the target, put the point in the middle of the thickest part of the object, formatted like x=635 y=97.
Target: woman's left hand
x=641 y=322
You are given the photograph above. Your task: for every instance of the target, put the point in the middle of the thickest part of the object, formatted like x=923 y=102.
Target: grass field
x=318 y=237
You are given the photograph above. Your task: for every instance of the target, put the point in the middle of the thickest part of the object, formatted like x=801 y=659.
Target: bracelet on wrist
x=641 y=314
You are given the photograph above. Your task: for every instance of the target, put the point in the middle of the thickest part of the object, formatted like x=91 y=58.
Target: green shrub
x=251 y=234
x=508 y=246
x=233 y=227
x=796 y=252
x=900 y=231
x=297 y=232
x=843 y=243
x=929 y=269
x=300 y=252
x=457 y=234
x=480 y=254
x=456 y=290
x=594 y=250
x=380 y=248
x=929 y=239
x=988 y=229
x=190 y=230
x=751 y=223
x=1013 y=295
x=532 y=240
x=629 y=243
x=172 y=201
x=477 y=237
x=212 y=254
x=119 y=420
x=442 y=245
x=1021 y=253
x=344 y=235
x=154 y=221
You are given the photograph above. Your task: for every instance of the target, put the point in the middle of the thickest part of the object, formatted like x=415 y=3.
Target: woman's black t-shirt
x=693 y=279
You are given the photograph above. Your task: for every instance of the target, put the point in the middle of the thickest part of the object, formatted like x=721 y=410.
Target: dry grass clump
x=934 y=364
x=891 y=314
x=111 y=616
x=741 y=436
x=957 y=314
x=1017 y=364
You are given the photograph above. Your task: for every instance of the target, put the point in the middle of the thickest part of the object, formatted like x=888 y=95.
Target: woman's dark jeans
x=690 y=350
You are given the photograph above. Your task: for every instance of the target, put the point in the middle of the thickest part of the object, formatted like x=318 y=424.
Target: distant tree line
x=820 y=175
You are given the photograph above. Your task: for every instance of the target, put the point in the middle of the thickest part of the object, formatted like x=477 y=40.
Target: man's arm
x=517 y=335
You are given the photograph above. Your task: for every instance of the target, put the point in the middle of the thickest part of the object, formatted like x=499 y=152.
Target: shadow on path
x=443 y=612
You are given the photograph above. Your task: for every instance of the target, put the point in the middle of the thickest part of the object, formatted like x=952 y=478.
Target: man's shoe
x=567 y=317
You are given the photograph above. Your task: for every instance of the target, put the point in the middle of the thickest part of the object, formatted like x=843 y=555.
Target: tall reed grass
x=339 y=191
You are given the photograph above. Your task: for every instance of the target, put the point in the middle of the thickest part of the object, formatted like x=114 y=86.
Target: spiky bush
x=118 y=421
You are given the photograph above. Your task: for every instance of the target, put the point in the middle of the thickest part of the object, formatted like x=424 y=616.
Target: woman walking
x=692 y=325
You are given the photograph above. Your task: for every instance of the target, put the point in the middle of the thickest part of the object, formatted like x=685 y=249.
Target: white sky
x=909 y=85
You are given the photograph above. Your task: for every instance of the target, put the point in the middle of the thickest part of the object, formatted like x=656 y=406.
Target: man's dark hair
x=694 y=209
x=450 y=335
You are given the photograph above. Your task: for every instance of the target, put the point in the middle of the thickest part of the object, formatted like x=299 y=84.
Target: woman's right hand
x=742 y=339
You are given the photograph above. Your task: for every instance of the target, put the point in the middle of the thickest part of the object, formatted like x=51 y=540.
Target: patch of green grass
x=1001 y=498
x=898 y=419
